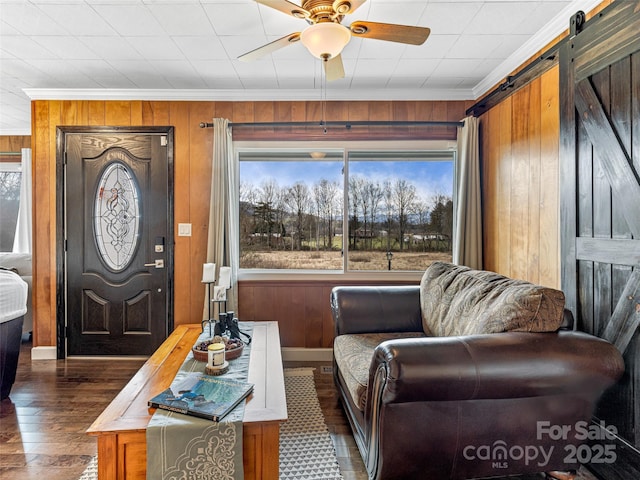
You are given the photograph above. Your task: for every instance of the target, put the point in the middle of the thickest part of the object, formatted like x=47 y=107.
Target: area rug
x=306 y=449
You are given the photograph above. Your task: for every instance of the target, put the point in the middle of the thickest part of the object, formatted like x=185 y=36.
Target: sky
x=429 y=177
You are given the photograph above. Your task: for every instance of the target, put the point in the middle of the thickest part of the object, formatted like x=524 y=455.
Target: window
x=10 y=178
x=348 y=209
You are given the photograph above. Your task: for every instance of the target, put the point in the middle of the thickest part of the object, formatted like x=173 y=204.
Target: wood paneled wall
x=192 y=156
x=520 y=182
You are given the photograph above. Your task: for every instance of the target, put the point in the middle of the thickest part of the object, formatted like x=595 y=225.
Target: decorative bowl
x=232 y=351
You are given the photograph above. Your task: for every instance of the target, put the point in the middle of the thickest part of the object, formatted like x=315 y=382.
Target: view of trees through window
x=9 y=203
x=396 y=213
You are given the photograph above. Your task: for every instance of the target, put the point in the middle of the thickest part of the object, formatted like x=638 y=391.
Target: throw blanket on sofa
x=456 y=300
x=182 y=446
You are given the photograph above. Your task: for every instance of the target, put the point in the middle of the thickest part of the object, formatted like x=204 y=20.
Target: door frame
x=61 y=274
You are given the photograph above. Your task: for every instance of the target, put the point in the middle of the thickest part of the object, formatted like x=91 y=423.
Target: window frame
x=345 y=146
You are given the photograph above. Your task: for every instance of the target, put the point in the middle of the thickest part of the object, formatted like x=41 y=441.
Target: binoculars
x=227 y=323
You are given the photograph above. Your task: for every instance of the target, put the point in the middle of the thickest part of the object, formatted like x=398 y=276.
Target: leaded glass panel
x=116 y=218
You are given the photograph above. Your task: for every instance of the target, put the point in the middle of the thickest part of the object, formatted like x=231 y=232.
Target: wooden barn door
x=600 y=207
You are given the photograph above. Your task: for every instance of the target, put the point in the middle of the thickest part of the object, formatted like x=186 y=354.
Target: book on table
x=201 y=395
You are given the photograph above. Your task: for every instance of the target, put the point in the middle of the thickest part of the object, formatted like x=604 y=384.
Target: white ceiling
x=188 y=49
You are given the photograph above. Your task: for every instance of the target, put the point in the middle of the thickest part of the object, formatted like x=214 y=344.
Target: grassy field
x=321 y=260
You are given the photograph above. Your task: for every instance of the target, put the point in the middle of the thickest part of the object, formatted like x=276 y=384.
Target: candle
x=225 y=277
x=219 y=294
x=215 y=357
x=209 y=273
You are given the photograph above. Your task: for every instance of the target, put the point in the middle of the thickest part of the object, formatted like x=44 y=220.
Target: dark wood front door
x=600 y=208
x=119 y=242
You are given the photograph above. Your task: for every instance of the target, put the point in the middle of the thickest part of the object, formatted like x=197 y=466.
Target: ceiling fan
x=326 y=36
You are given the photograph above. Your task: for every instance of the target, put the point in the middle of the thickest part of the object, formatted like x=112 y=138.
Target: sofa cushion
x=21 y=262
x=456 y=300
x=353 y=354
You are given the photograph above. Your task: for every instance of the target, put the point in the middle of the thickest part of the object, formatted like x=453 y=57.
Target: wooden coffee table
x=121 y=427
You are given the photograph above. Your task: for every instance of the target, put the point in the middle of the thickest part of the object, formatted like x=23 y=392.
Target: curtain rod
x=10 y=154
x=345 y=124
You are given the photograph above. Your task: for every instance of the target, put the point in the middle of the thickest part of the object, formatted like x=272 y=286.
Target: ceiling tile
x=103 y=73
x=111 y=48
x=436 y=46
x=372 y=48
x=130 y=20
x=28 y=19
x=206 y=47
x=413 y=68
x=66 y=47
x=140 y=73
x=156 y=48
x=77 y=18
x=375 y=68
x=449 y=18
x=24 y=47
x=402 y=12
x=209 y=69
x=454 y=67
x=182 y=19
x=277 y=23
x=406 y=81
x=508 y=45
x=501 y=17
x=234 y=19
x=474 y=46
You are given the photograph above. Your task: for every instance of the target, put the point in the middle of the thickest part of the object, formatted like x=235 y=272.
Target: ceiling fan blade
x=333 y=68
x=390 y=32
x=287 y=7
x=270 y=47
x=345 y=7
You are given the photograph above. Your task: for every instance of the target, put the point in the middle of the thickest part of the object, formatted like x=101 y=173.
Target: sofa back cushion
x=456 y=300
x=20 y=262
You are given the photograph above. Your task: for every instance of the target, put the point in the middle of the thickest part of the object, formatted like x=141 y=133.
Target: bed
x=13 y=306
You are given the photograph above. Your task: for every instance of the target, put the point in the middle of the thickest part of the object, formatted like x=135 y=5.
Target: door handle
x=159 y=263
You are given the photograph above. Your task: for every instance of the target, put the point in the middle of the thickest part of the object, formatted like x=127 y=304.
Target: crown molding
x=532 y=46
x=245 y=95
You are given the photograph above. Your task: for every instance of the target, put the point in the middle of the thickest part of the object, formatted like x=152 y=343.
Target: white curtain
x=222 y=244
x=467 y=248
x=22 y=239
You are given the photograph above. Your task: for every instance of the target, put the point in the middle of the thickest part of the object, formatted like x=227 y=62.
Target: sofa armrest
x=503 y=365
x=366 y=309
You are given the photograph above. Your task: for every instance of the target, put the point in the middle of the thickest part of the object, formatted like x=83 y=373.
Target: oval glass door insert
x=116 y=217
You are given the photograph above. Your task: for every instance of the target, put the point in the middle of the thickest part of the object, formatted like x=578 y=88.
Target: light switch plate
x=184 y=229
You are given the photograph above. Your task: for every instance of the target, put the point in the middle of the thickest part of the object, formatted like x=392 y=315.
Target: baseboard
x=299 y=354
x=44 y=353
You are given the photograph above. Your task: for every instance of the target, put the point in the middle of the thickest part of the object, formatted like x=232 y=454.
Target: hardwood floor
x=52 y=403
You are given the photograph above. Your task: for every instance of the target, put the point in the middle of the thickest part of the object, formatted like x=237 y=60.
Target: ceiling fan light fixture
x=325 y=40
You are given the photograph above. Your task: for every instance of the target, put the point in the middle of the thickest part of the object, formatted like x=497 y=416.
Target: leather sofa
x=469 y=375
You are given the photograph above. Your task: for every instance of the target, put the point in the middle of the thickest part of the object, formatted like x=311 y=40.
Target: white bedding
x=13 y=296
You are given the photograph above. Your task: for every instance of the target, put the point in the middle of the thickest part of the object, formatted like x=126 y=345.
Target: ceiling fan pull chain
x=323 y=95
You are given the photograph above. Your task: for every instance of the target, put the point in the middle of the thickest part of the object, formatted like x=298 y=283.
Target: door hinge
x=65 y=244
x=163 y=141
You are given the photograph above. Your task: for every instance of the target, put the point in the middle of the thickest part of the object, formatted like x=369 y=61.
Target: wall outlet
x=327 y=369
x=184 y=229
